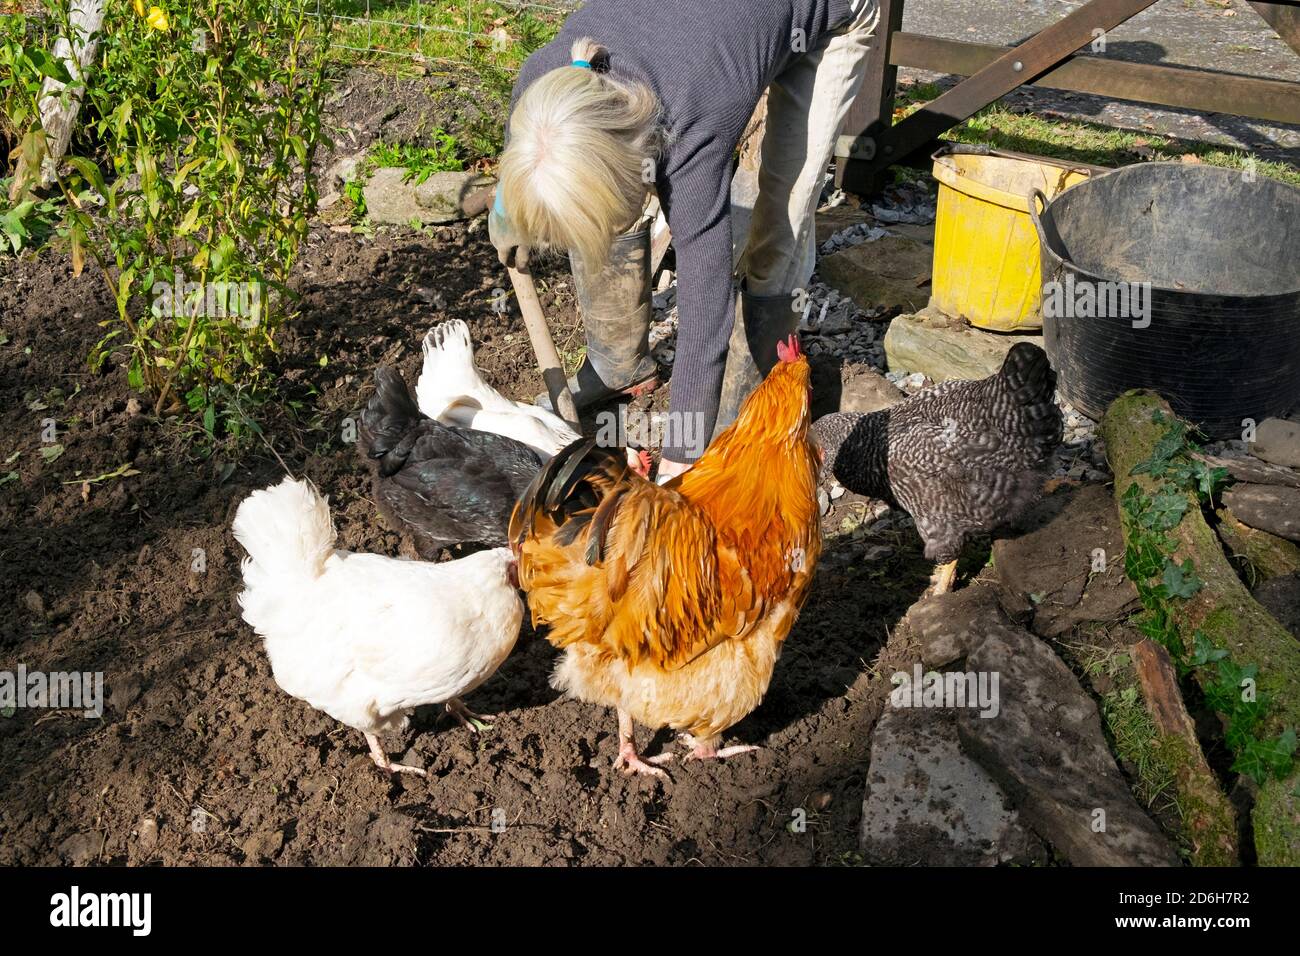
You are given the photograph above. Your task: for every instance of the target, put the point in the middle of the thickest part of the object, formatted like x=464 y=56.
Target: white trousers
x=806 y=106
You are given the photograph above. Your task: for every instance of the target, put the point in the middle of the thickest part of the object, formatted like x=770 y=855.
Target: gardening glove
x=511 y=248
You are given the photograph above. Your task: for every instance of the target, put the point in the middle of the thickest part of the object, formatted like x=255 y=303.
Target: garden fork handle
x=548 y=359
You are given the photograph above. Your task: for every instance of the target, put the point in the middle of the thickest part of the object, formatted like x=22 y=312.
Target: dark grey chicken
x=443 y=484
x=961 y=458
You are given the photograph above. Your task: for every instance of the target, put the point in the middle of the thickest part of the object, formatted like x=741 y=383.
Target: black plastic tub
x=1194 y=274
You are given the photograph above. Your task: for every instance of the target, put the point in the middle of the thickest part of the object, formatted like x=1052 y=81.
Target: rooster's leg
x=471 y=721
x=707 y=749
x=383 y=763
x=628 y=760
x=945 y=575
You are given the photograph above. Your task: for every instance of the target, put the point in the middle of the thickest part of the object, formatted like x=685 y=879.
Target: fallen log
x=1223 y=610
x=1208 y=818
x=1253 y=470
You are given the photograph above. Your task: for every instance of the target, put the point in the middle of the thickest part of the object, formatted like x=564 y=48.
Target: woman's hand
x=511 y=248
x=669 y=470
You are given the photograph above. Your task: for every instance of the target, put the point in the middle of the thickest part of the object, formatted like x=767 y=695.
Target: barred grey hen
x=962 y=458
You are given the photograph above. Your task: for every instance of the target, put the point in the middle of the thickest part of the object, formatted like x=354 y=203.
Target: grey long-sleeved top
x=708 y=61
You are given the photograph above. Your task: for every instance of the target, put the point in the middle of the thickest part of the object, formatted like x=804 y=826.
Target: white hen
x=451 y=390
x=364 y=637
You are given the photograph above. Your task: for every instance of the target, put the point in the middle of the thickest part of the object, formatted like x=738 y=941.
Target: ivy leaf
x=1208 y=479
x=1180 y=581
x=1165 y=511
x=1262 y=759
x=1204 y=652
x=1170 y=444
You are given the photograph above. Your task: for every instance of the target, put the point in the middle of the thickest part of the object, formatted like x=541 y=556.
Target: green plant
x=355 y=191
x=420 y=162
x=1161 y=580
x=205 y=118
x=27 y=223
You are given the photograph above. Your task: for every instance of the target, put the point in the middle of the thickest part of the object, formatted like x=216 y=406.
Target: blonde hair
x=573 y=173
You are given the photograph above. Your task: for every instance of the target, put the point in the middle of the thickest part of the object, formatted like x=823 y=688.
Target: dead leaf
x=1051 y=484
x=1191 y=159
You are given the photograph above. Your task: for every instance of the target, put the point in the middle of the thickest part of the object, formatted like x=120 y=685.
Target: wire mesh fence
x=499 y=33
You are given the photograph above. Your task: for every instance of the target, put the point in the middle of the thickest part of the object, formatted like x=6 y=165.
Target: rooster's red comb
x=788 y=351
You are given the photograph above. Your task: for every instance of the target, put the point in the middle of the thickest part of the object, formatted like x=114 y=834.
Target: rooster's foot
x=630 y=762
x=474 y=723
x=383 y=763
x=711 y=751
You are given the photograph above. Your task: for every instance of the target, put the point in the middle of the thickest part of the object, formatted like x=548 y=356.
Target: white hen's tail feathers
x=449 y=373
x=286 y=530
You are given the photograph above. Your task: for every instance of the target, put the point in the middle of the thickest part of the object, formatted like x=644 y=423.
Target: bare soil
x=196 y=736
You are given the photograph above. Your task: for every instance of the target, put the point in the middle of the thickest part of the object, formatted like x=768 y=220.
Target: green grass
x=461 y=37
x=463 y=32
x=1083 y=142
x=1130 y=725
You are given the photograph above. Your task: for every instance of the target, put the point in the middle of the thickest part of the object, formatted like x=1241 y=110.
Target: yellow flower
x=157 y=19
x=139 y=7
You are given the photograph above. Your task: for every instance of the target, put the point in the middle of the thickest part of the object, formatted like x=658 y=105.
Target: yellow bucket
x=985 y=248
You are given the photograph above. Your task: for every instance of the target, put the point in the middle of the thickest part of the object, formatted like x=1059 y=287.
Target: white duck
x=364 y=637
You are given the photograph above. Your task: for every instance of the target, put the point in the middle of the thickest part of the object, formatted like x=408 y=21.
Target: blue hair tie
x=582 y=64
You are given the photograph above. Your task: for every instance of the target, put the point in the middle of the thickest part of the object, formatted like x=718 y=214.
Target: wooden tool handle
x=548 y=359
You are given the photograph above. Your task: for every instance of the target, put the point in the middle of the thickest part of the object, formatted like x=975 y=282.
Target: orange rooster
x=670 y=603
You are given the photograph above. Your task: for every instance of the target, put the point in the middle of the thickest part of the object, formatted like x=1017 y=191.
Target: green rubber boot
x=616 y=313
x=761 y=322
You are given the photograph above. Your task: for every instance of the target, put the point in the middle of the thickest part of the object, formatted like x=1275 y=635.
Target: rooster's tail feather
x=563 y=491
x=286 y=530
x=448 y=371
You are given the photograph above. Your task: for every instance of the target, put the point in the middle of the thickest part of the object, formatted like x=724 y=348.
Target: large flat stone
x=949 y=626
x=1069 y=566
x=1278 y=440
x=1045 y=749
x=928 y=804
x=391 y=198
x=1042 y=746
x=865 y=390
x=945 y=348
x=890 y=273
x=1271 y=508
